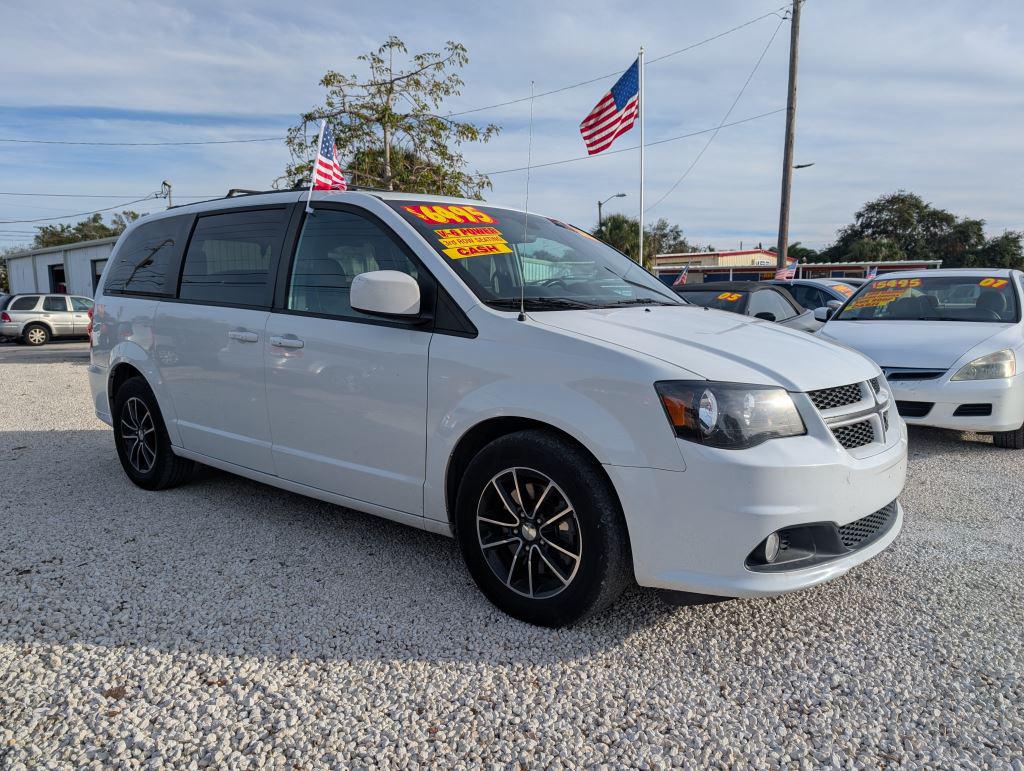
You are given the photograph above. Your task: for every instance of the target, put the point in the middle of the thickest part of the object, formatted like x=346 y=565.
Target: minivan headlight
x=995 y=365
x=729 y=415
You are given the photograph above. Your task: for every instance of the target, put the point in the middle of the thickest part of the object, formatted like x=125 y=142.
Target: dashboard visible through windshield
x=502 y=254
x=935 y=298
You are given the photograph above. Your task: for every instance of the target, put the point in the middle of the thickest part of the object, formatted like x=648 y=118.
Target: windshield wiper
x=539 y=303
x=640 y=301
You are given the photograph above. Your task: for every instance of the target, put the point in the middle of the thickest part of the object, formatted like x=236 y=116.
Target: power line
x=728 y=112
x=617 y=74
x=81 y=214
x=93 y=195
x=141 y=144
x=636 y=147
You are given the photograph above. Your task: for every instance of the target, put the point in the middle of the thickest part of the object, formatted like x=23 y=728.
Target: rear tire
x=1010 y=440
x=541 y=530
x=35 y=334
x=143 y=445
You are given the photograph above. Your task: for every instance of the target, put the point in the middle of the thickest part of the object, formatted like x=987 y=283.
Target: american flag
x=681 y=278
x=327 y=174
x=787 y=273
x=614 y=114
x=872 y=272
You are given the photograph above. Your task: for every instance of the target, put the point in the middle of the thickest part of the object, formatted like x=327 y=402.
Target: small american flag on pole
x=872 y=272
x=327 y=174
x=681 y=278
x=787 y=273
x=614 y=114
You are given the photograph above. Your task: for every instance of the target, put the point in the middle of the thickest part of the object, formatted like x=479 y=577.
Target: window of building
x=231 y=256
x=335 y=247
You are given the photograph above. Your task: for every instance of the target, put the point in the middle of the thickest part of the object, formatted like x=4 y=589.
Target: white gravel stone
x=230 y=624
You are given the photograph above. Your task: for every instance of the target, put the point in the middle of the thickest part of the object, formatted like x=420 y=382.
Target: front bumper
x=946 y=396
x=694 y=530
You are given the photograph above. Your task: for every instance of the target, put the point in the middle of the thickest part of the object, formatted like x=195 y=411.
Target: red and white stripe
x=327 y=173
x=604 y=123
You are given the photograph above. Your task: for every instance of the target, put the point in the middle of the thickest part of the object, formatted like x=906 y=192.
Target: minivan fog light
x=770 y=547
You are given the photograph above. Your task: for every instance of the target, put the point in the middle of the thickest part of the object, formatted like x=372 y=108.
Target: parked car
x=508 y=380
x=950 y=342
x=814 y=293
x=35 y=319
x=751 y=298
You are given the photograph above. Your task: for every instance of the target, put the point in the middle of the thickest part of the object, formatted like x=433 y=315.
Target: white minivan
x=500 y=377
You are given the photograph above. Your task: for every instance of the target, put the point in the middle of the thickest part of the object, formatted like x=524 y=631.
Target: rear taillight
x=4 y=316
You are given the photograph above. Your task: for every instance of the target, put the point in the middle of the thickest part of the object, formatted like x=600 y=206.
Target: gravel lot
x=226 y=623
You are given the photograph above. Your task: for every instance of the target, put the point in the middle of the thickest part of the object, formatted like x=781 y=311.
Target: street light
x=600 y=222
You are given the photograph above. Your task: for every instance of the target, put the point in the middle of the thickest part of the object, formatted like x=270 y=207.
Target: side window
x=334 y=248
x=769 y=301
x=146 y=261
x=52 y=303
x=25 y=303
x=806 y=296
x=80 y=304
x=231 y=256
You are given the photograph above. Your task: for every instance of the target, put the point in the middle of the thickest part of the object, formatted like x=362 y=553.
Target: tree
x=902 y=226
x=89 y=229
x=621 y=231
x=386 y=129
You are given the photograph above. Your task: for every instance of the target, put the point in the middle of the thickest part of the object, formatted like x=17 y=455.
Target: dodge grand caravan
x=499 y=377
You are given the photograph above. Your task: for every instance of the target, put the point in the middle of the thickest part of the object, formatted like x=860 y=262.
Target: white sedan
x=950 y=343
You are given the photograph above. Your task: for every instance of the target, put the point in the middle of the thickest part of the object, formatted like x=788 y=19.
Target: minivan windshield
x=500 y=254
x=934 y=298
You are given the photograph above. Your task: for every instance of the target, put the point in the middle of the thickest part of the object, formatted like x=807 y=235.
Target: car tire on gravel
x=541 y=530
x=35 y=334
x=1010 y=440
x=141 y=439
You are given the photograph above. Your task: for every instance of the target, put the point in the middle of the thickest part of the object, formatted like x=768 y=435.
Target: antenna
x=526 y=219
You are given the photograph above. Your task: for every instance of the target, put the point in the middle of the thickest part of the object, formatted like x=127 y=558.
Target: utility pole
x=787 y=154
x=165 y=189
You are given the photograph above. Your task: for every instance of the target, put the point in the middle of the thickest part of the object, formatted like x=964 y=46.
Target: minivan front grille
x=840 y=396
x=855 y=435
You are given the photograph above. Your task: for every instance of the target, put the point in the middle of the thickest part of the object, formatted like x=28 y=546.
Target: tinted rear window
x=25 y=303
x=231 y=257
x=55 y=304
x=146 y=262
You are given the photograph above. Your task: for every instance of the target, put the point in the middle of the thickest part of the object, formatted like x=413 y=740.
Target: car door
x=209 y=341
x=58 y=315
x=80 y=307
x=347 y=392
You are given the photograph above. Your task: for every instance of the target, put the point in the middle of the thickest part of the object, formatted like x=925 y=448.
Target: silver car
x=35 y=319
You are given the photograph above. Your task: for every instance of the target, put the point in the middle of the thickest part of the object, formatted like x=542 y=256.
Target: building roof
x=60 y=248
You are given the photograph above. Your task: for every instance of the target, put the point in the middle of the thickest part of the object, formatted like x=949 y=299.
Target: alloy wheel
x=138 y=432
x=36 y=336
x=529 y=533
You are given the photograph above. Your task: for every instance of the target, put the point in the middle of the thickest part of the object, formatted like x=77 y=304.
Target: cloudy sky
x=928 y=97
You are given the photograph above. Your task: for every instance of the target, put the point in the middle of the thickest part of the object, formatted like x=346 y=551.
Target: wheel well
x=37 y=323
x=482 y=434
x=118 y=376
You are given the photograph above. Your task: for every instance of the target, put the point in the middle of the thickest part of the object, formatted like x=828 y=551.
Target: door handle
x=287 y=342
x=243 y=336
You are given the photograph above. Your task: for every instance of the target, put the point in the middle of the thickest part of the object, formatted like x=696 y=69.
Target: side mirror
x=385 y=293
x=824 y=314
x=765 y=315
x=834 y=305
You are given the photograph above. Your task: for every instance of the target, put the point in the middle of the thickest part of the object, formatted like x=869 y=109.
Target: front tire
x=143 y=446
x=541 y=530
x=1009 y=440
x=35 y=334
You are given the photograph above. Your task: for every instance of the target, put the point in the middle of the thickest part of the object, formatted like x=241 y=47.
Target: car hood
x=719 y=346
x=912 y=344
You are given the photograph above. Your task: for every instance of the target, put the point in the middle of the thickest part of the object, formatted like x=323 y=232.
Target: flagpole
x=641 y=97
x=312 y=173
